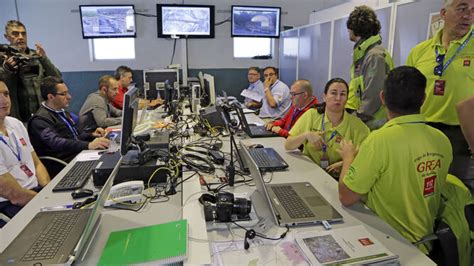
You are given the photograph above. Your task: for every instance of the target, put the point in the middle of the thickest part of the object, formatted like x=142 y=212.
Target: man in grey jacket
x=97 y=110
x=23 y=77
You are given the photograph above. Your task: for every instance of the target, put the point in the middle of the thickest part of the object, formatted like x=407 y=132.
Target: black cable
x=207 y=167
x=222 y=22
x=186 y=179
x=174 y=50
x=145 y=15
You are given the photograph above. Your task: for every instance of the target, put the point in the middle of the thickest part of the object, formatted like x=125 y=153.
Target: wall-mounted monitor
x=185 y=21
x=107 y=21
x=255 y=21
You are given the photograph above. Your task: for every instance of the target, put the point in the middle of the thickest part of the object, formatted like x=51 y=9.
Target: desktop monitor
x=255 y=21
x=107 y=21
x=154 y=82
x=209 y=91
x=185 y=21
x=129 y=119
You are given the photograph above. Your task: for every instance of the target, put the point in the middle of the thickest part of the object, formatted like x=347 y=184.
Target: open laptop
x=58 y=237
x=292 y=204
x=267 y=159
x=252 y=130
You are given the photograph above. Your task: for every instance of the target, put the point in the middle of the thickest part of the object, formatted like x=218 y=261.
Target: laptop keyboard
x=260 y=157
x=53 y=237
x=76 y=177
x=293 y=204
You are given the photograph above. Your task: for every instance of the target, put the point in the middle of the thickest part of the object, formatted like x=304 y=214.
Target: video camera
x=24 y=62
x=225 y=208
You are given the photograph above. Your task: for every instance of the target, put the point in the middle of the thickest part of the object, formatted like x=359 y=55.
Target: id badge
x=439 y=87
x=324 y=162
x=26 y=170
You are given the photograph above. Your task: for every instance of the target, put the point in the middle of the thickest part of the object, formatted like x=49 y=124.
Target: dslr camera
x=26 y=64
x=225 y=208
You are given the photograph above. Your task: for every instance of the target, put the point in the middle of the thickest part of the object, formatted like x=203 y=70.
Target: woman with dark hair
x=321 y=130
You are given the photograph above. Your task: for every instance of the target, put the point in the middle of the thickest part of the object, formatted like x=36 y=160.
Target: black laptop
x=57 y=237
x=267 y=159
x=253 y=131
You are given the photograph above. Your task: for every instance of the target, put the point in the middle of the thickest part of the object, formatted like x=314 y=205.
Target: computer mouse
x=256 y=146
x=82 y=193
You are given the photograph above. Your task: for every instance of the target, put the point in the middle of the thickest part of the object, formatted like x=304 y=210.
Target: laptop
x=292 y=204
x=267 y=159
x=252 y=130
x=58 y=237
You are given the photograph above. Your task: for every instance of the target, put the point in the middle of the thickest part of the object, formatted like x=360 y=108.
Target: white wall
x=56 y=25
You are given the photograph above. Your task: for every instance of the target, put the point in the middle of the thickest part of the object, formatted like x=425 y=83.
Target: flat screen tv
x=185 y=21
x=255 y=21
x=107 y=21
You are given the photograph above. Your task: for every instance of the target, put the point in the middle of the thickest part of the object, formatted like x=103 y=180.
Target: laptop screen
x=257 y=178
x=94 y=218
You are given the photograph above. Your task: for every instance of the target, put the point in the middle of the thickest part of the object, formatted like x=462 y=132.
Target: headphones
x=251 y=234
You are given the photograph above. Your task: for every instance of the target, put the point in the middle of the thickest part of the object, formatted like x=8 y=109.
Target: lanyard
x=69 y=123
x=455 y=54
x=293 y=117
x=17 y=153
x=324 y=135
x=274 y=84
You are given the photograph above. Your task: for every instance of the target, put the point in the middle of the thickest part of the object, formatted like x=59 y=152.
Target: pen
x=57 y=208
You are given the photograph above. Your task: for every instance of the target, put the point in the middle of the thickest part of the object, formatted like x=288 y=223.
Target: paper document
x=252 y=95
x=349 y=245
x=88 y=156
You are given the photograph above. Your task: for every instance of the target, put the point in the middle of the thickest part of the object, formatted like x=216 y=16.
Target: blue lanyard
x=324 y=135
x=70 y=126
x=445 y=66
x=293 y=117
x=17 y=153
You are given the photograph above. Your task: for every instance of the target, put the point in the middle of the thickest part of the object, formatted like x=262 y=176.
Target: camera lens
x=242 y=207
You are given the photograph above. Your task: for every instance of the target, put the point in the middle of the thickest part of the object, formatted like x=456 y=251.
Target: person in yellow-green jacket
x=447 y=61
x=401 y=168
x=370 y=64
x=321 y=130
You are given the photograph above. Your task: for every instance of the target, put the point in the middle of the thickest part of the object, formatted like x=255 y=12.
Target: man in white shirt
x=255 y=88
x=276 y=100
x=22 y=174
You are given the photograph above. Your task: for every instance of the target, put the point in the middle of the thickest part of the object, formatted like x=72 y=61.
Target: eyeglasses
x=269 y=75
x=293 y=94
x=438 y=69
x=17 y=33
x=63 y=93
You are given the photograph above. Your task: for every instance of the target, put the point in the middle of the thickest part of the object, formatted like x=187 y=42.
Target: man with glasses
x=370 y=64
x=447 y=62
x=276 y=100
x=52 y=130
x=23 y=77
x=301 y=94
x=254 y=93
x=97 y=110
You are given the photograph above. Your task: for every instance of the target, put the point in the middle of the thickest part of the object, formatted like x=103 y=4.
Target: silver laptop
x=292 y=204
x=58 y=237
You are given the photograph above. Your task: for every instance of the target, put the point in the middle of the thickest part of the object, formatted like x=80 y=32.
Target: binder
x=161 y=244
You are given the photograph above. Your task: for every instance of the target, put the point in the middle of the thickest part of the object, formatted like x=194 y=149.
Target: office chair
x=3 y=220
x=53 y=165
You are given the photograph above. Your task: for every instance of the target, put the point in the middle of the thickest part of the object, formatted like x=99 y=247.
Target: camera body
x=224 y=207
x=26 y=63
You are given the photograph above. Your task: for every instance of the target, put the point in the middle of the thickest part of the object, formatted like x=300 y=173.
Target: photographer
x=23 y=69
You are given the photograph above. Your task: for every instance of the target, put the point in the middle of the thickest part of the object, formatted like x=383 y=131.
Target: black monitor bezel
x=249 y=35
x=129 y=119
x=107 y=36
x=159 y=16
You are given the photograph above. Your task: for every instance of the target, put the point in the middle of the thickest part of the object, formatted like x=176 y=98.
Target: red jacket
x=287 y=122
x=118 y=101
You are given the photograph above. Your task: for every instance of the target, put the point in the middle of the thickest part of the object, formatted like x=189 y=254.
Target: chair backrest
x=53 y=165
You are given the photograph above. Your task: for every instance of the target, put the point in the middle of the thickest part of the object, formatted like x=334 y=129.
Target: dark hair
x=270 y=67
x=322 y=106
x=13 y=23
x=48 y=86
x=121 y=70
x=363 y=22
x=404 y=90
x=254 y=68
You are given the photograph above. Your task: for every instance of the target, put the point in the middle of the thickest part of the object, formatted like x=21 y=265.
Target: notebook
x=252 y=130
x=291 y=204
x=57 y=237
x=161 y=244
x=267 y=159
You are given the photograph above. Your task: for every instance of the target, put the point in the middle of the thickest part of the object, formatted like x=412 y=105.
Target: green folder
x=161 y=243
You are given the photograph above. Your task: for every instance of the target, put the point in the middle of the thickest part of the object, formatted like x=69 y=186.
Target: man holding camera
x=23 y=69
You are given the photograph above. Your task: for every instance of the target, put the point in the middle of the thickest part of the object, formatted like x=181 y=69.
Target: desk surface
x=185 y=205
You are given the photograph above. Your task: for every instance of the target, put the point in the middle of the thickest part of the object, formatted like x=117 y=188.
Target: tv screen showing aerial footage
x=185 y=21
x=255 y=21
x=101 y=21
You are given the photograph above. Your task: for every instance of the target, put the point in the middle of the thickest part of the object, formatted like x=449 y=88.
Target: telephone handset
x=130 y=192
